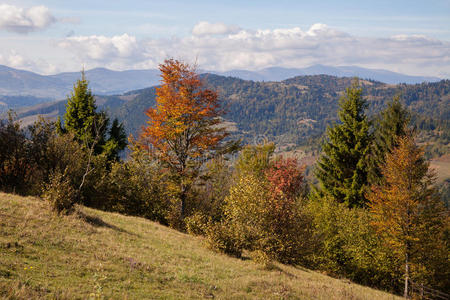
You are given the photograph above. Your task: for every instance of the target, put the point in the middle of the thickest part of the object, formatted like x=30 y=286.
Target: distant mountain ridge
x=279 y=74
x=14 y=82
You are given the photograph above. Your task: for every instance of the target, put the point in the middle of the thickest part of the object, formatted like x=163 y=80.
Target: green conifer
x=391 y=124
x=90 y=127
x=116 y=142
x=81 y=117
x=342 y=168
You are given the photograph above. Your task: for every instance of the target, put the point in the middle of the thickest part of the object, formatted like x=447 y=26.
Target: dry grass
x=442 y=167
x=94 y=254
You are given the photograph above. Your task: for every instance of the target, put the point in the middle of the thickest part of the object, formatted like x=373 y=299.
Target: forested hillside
x=291 y=111
x=294 y=110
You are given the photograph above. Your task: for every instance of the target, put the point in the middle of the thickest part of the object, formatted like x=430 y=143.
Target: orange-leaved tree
x=184 y=128
x=406 y=211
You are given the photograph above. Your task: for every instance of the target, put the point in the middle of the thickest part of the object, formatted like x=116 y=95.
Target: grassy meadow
x=98 y=255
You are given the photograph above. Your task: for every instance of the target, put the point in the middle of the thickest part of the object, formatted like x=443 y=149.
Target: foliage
x=223 y=237
x=349 y=246
x=255 y=159
x=444 y=191
x=392 y=123
x=89 y=127
x=15 y=165
x=341 y=169
x=134 y=187
x=184 y=127
x=51 y=154
x=262 y=211
x=36 y=160
x=197 y=223
x=60 y=193
x=116 y=142
x=29 y=156
x=406 y=210
x=212 y=188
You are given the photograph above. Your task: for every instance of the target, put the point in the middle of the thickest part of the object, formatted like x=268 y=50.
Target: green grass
x=95 y=254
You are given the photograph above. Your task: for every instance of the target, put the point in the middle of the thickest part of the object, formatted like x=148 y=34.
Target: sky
x=52 y=36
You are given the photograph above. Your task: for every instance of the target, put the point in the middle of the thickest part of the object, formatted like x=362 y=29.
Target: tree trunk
x=183 y=201
x=406 y=276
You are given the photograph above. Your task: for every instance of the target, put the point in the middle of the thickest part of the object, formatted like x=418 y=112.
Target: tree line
x=374 y=217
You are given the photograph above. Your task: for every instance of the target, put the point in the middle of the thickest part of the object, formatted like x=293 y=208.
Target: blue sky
x=411 y=37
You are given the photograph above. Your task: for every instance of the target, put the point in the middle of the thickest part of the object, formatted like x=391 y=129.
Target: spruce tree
x=342 y=168
x=391 y=124
x=81 y=117
x=90 y=127
x=116 y=142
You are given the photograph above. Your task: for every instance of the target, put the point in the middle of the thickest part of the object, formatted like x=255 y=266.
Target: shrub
x=222 y=237
x=15 y=162
x=211 y=190
x=350 y=247
x=197 y=223
x=60 y=193
x=55 y=154
x=261 y=257
x=135 y=187
x=264 y=209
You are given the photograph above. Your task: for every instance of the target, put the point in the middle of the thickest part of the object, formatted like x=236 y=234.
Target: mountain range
x=289 y=112
x=279 y=74
x=23 y=88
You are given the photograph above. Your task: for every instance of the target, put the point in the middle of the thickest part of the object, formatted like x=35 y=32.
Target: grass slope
x=95 y=254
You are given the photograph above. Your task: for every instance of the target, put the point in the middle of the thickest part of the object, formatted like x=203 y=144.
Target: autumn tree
x=342 y=168
x=184 y=128
x=263 y=207
x=406 y=211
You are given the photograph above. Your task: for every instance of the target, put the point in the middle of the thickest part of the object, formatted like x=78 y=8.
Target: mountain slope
x=279 y=74
x=94 y=254
x=108 y=82
x=14 y=82
x=291 y=111
x=294 y=110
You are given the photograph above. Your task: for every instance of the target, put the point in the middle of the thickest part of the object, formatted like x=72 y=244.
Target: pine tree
x=342 y=168
x=406 y=210
x=116 y=142
x=81 y=117
x=392 y=124
x=88 y=126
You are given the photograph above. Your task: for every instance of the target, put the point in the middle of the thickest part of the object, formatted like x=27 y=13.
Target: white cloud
x=206 y=28
x=102 y=48
x=13 y=60
x=257 y=49
x=21 y=20
x=18 y=61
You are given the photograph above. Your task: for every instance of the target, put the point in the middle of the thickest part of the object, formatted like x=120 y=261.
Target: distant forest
x=294 y=111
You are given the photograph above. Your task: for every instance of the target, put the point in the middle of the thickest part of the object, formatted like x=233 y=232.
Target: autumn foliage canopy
x=183 y=126
x=406 y=211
